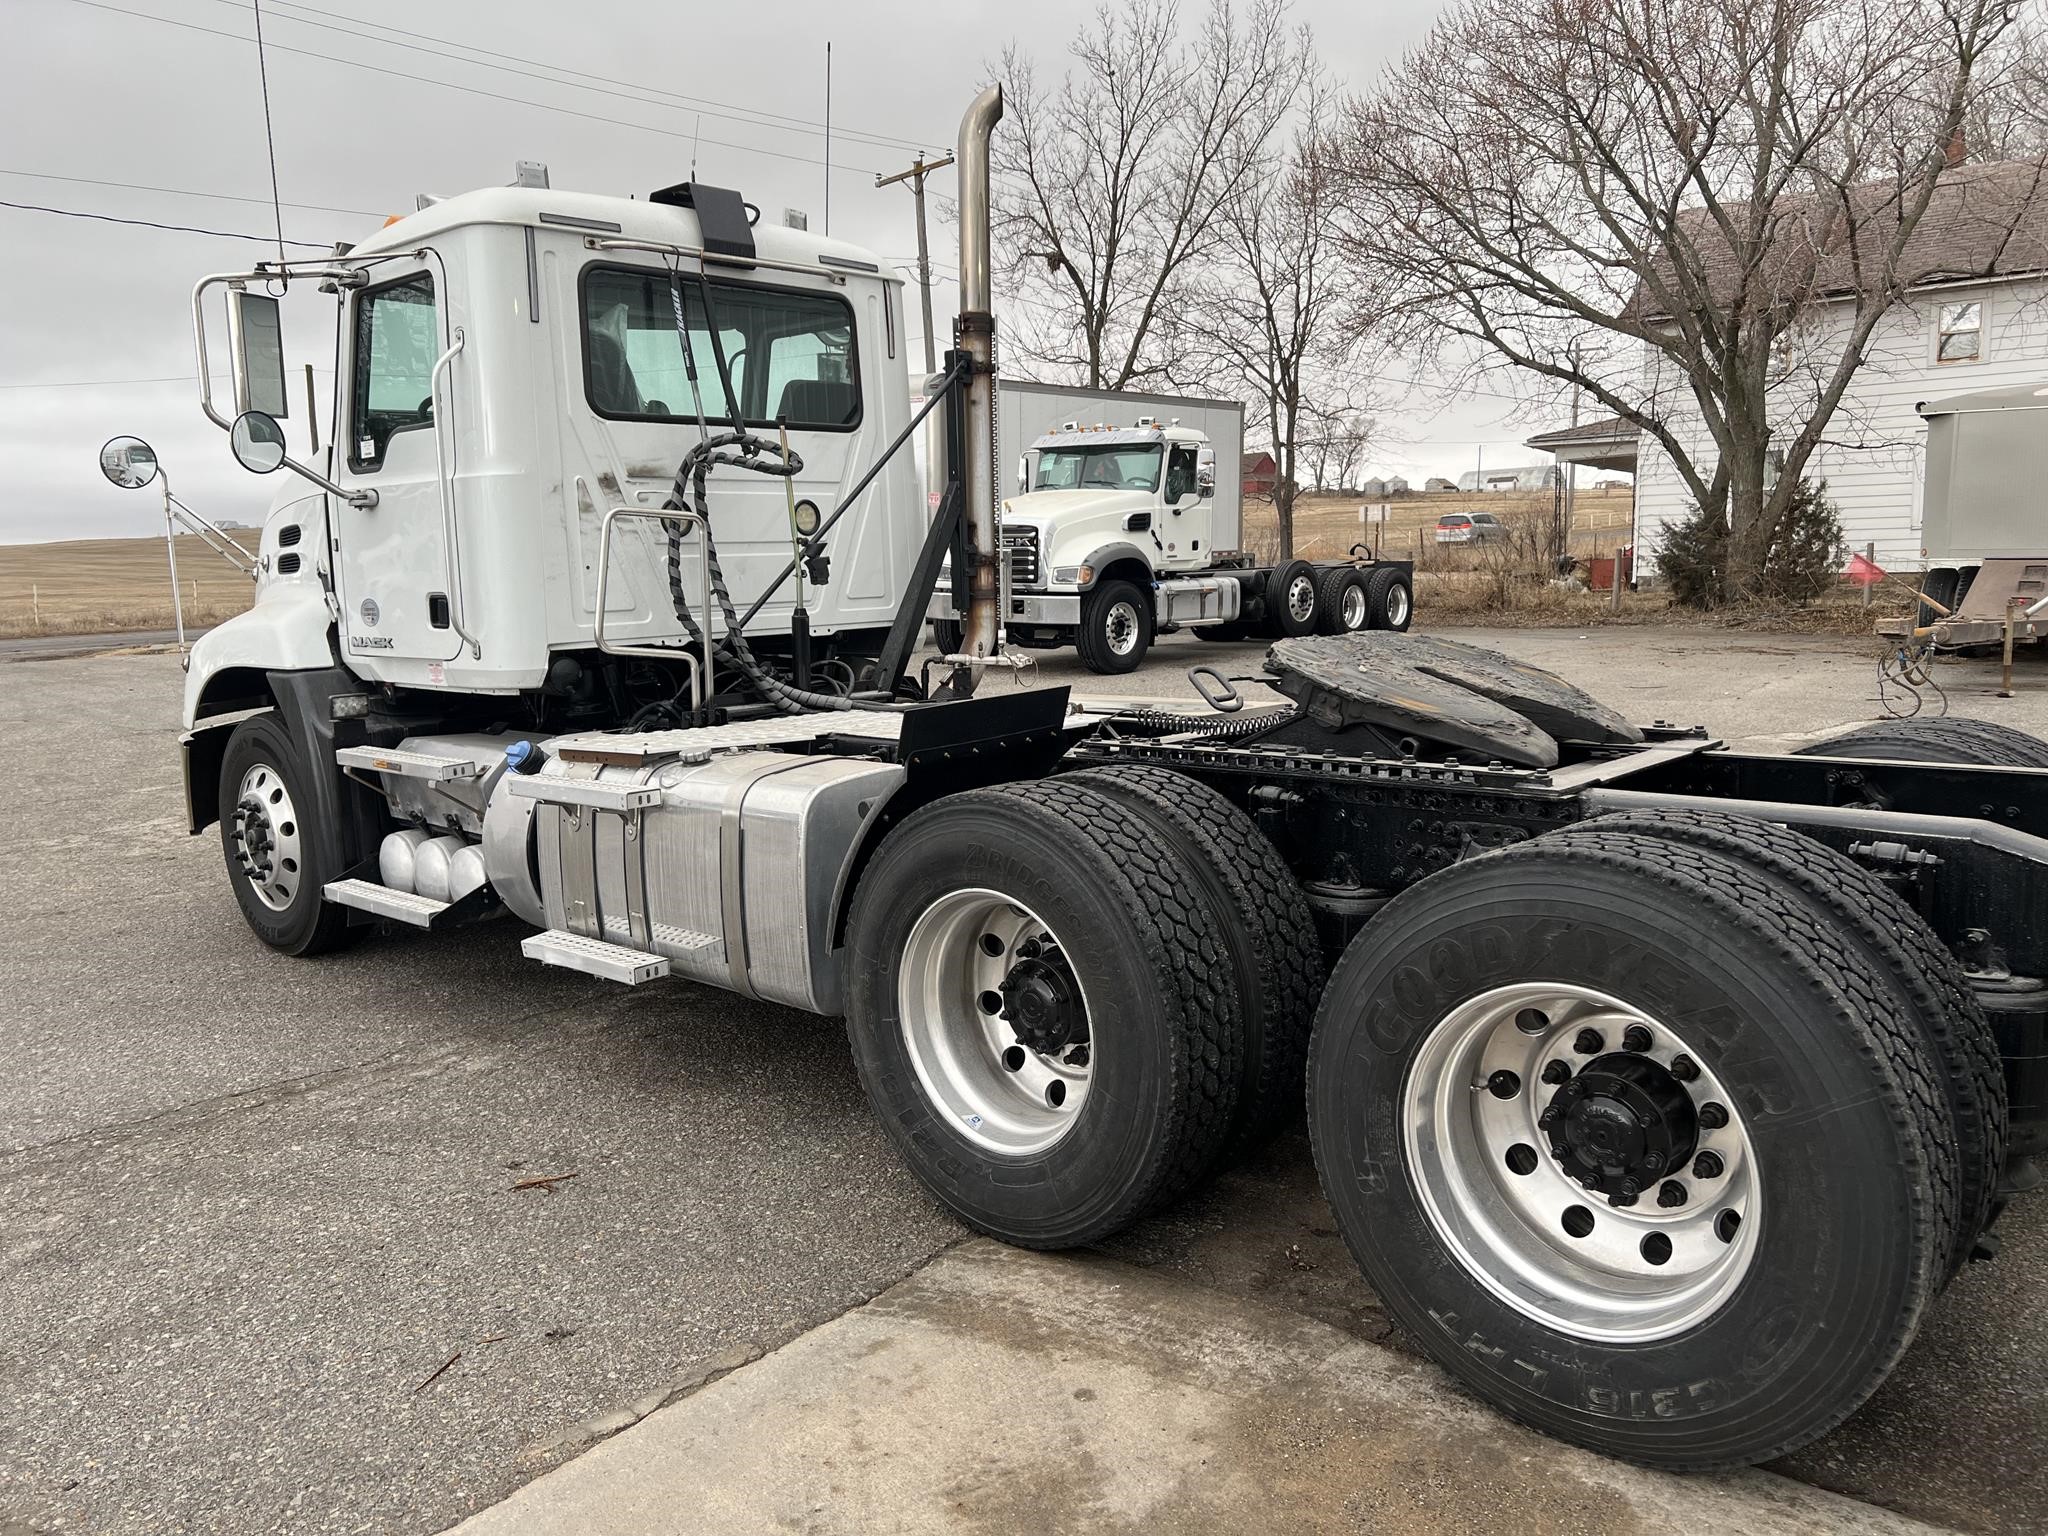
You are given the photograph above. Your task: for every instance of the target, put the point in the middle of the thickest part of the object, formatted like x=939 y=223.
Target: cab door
x=392 y=559
x=1188 y=511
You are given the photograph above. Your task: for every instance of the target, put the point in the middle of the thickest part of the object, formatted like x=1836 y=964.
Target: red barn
x=1258 y=474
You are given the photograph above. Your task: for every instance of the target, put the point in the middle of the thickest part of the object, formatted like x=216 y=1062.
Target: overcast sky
x=95 y=334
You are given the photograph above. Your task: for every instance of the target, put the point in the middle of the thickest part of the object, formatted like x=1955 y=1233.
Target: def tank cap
x=525 y=757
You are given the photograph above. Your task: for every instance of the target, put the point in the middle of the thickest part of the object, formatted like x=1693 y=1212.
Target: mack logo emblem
x=370 y=642
x=371 y=613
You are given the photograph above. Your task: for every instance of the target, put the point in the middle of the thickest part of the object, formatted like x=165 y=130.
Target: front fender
x=1085 y=550
x=288 y=630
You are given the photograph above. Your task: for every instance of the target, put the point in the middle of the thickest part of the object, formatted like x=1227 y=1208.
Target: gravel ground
x=249 y=1206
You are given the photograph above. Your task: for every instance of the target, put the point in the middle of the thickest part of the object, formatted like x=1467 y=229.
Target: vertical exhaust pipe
x=977 y=337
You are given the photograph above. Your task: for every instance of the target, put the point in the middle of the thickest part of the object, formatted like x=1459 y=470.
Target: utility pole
x=915 y=176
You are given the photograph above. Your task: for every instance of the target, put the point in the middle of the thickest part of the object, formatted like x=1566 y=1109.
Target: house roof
x=1607 y=429
x=1985 y=221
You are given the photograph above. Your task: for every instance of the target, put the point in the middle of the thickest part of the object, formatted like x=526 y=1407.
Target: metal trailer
x=1657 y=1088
x=1984 y=532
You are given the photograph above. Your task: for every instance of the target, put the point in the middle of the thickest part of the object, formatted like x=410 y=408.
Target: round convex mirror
x=258 y=442
x=128 y=462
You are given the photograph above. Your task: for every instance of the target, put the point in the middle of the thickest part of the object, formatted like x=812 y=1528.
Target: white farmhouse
x=1975 y=317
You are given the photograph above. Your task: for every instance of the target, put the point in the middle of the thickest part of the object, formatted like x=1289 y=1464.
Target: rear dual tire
x=1850 y=1210
x=1191 y=953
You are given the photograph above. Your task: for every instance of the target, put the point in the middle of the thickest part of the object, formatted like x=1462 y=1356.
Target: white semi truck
x=1126 y=523
x=1657 y=1087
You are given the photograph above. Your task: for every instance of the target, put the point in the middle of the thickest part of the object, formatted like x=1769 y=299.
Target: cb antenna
x=269 y=138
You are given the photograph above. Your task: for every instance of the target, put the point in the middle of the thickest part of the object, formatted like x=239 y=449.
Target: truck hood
x=1063 y=508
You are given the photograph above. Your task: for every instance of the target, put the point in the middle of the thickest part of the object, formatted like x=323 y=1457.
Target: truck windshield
x=790 y=353
x=1108 y=468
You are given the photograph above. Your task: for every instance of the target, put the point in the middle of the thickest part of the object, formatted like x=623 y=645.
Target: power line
x=181 y=229
x=606 y=85
x=218 y=197
x=467 y=90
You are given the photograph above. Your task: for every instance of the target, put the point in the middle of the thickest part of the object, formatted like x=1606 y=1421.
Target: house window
x=1961 y=339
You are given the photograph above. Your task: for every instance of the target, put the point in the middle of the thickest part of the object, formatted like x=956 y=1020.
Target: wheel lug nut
x=1670 y=1194
x=1707 y=1166
x=1635 y=1038
x=1555 y=1072
x=1713 y=1116
x=1654 y=1161
x=1550 y=1115
x=1587 y=1042
x=1621 y=1199
x=1684 y=1068
x=1503 y=1084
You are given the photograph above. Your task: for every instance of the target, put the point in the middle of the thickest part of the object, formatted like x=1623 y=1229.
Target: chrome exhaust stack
x=977 y=337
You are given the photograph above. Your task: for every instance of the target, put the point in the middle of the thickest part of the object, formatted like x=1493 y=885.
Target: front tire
x=275 y=865
x=1047 y=1029
x=1696 y=1009
x=1116 y=628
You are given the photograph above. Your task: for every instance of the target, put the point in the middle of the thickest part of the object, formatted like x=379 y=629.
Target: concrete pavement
x=1001 y=1391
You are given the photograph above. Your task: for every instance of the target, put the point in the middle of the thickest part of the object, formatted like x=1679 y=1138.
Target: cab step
x=383 y=901
x=594 y=957
x=408 y=765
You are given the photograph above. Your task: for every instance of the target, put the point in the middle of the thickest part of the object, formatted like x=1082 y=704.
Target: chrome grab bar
x=700 y=676
x=444 y=482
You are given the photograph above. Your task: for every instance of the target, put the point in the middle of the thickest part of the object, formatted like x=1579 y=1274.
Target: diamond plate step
x=593 y=793
x=594 y=957
x=399 y=906
x=408 y=765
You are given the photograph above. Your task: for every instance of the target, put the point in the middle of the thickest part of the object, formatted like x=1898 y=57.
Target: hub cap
x=995 y=1021
x=266 y=837
x=1120 y=628
x=1582 y=1162
x=1353 y=606
x=1301 y=598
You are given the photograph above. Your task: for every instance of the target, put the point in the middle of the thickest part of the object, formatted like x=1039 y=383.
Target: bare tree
x=1651 y=199
x=1108 y=186
x=1263 y=310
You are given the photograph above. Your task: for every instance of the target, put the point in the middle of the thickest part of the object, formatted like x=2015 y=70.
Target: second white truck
x=1118 y=534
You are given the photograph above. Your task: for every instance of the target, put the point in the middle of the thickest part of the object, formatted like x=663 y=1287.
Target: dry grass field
x=102 y=586
x=93 y=586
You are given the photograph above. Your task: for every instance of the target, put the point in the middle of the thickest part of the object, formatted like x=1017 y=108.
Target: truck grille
x=1021 y=545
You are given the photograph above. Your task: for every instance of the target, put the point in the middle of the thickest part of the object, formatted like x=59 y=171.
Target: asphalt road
x=249 y=1207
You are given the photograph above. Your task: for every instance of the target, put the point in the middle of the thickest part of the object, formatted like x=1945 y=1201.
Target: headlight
x=1072 y=575
x=807 y=518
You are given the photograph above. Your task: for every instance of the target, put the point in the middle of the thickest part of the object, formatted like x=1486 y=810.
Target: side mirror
x=258 y=442
x=128 y=462
x=256 y=342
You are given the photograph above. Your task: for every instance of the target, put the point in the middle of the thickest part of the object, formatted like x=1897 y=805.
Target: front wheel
x=274 y=860
x=1116 y=628
x=1626 y=1138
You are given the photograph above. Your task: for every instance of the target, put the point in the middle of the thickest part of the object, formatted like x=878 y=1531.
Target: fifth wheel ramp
x=1462 y=696
x=1003 y=1390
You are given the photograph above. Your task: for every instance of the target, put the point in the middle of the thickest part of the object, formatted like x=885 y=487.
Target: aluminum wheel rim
x=1513 y=1230
x=1397 y=606
x=1120 y=628
x=266 y=837
x=1001 y=1094
x=1301 y=598
x=1353 y=606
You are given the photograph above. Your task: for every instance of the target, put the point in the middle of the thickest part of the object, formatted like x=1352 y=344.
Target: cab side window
x=1180 y=475
x=397 y=338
